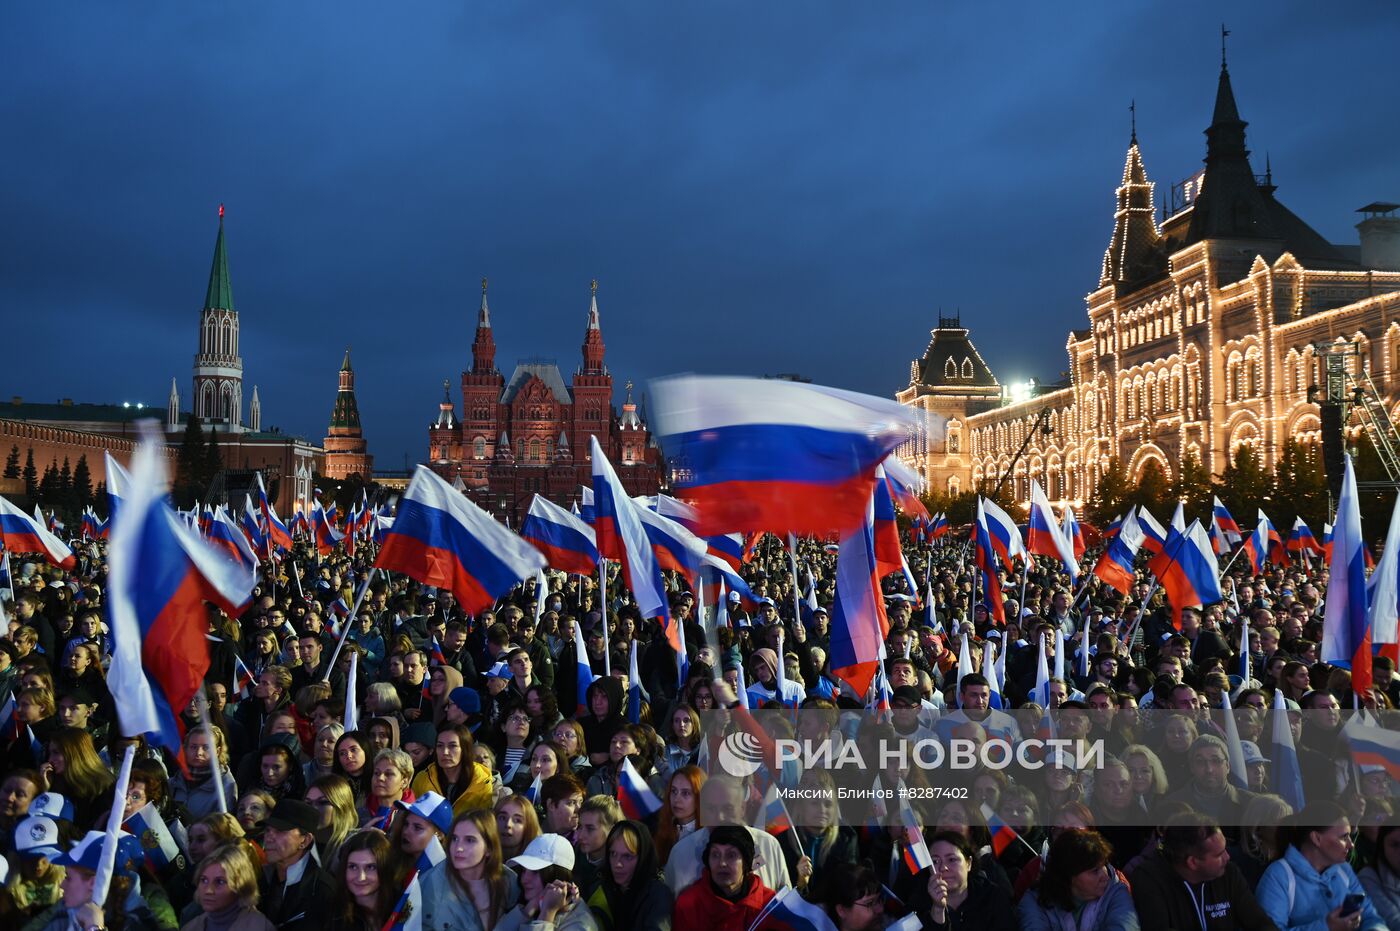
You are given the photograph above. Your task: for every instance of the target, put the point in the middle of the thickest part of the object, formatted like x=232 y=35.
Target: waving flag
x=1117 y=566
x=715 y=571
x=635 y=693
x=156 y=840
x=916 y=855
x=252 y=529
x=1258 y=544
x=1372 y=745
x=1326 y=541
x=10 y=724
x=408 y=911
x=586 y=508
x=1384 y=596
x=1186 y=568
x=984 y=543
x=773 y=815
x=674 y=546
x=160 y=574
x=1301 y=539
x=585 y=671
x=764 y=454
x=225 y=535
x=1154 y=535
x=1234 y=750
x=565 y=540
x=1286 y=777
x=858 y=622
x=888 y=556
x=327 y=537
x=621 y=535
x=20 y=533
x=118 y=481
x=277 y=533
x=634 y=795
x=1346 y=635
x=1073 y=532
x=1043 y=537
x=1223 y=519
x=243 y=680
x=989 y=670
x=1004 y=532
x=1111 y=530
x=1003 y=834
x=905 y=485
x=728 y=547
x=940 y=526
x=788 y=911
x=441 y=538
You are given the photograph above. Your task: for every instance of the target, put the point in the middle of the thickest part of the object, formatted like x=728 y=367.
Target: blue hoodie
x=1296 y=896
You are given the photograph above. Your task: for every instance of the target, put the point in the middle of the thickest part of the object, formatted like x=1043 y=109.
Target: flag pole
x=792 y=559
x=603 y=605
x=201 y=702
x=106 y=866
x=349 y=622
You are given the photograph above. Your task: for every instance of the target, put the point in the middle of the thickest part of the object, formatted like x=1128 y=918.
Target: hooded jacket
x=1166 y=902
x=1297 y=896
x=598 y=734
x=701 y=908
x=646 y=904
x=1113 y=911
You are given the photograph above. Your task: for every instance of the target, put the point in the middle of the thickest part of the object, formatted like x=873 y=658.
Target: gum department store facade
x=1200 y=338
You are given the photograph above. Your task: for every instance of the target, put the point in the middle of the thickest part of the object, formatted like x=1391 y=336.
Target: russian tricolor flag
x=1003 y=532
x=325 y=534
x=1154 y=535
x=441 y=538
x=1072 y=531
x=1117 y=565
x=622 y=536
x=1043 y=537
x=765 y=454
x=1301 y=539
x=252 y=528
x=916 y=855
x=674 y=546
x=160 y=574
x=1346 y=633
x=940 y=526
x=1187 y=569
x=1003 y=834
x=716 y=572
x=565 y=540
x=225 y=535
x=858 y=622
x=1372 y=745
x=984 y=543
x=1258 y=544
x=118 y=481
x=888 y=556
x=905 y=485
x=788 y=911
x=634 y=795
x=1285 y=777
x=1384 y=596
x=20 y=533
x=773 y=815
x=1226 y=522
x=728 y=547
x=277 y=533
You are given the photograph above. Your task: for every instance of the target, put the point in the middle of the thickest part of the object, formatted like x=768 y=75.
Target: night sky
x=759 y=188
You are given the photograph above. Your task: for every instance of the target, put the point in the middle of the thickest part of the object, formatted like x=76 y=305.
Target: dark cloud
x=758 y=187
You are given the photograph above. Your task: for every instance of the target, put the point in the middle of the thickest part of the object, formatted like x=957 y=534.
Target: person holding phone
x=1312 y=885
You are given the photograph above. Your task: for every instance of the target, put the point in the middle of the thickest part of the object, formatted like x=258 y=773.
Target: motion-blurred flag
x=634 y=795
x=21 y=533
x=565 y=540
x=1346 y=633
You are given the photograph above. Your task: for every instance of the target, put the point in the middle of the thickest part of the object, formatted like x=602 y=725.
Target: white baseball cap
x=37 y=836
x=547 y=850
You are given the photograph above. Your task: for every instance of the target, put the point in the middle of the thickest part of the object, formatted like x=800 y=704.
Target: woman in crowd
x=253 y=808
x=1307 y=885
x=823 y=839
x=632 y=895
x=680 y=810
x=548 y=895
x=517 y=824
x=226 y=891
x=453 y=774
x=1381 y=879
x=543 y=707
x=603 y=717
x=473 y=888
x=547 y=759
x=1079 y=890
x=1149 y=778
x=352 y=762
x=569 y=735
x=334 y=801
x=513 y=744
x=854 y=898
x=958 y=896
x=365 y=894
x=683 y=747
x=322 y=762
x=391 y=782
x=74 y=770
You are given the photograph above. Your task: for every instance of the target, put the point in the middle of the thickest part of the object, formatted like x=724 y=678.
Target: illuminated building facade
x=1200 y=337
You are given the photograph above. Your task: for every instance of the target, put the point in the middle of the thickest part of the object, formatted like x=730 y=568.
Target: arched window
x=479 y=448
x=535 y=449
x=954 y=485
x=520 y=449
x=966 y=367
x=950 y=368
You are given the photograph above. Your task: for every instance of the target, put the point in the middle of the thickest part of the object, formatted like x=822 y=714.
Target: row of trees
x=66 y=488
x=1296 y=487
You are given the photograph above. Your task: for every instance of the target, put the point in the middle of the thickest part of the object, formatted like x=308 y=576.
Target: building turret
x=1133 y=252
x=593 y=339
x=172 y=407
x=218 y=367
x=346 y=450
x=484 y=345
x=255 y=412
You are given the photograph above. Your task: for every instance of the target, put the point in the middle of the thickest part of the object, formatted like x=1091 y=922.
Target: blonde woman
x=206 y=753
x=226 y=888
x=74 y=770
x=334 y=801
x=516 y=823
x=473 y=889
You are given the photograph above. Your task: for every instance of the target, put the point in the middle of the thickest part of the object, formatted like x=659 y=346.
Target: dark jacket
x=986 y=908
x=1166 y=903
x=298 y=907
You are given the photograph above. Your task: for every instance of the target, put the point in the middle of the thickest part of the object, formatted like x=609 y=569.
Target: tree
x=82 y=482
x=1153 y=491
x=99 y=499
x=48 y=484
x=65 y=497
x=12 y=463
x=1107 y=502
x=1194 y=488
x=1300 y=487
x=213 y=459
x=30 y=476
x=1244 y=487
x=189 y=463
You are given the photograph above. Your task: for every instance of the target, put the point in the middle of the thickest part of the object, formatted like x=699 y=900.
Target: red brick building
x=347 y=453
x=530 y=433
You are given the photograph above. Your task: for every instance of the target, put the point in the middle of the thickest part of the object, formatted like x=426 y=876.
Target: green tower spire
x=220 y=294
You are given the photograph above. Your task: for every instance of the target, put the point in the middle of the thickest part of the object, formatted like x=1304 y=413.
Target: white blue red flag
x=276 y=531
x=21 y=533
x=160 y=574
x=1226 y=522
x=858 y=622
x=634 y=795
x=1003 y=532
x=1346 y=632
x=788 y=911
x=888 y=555
x=1154 y=535
x=118 y=480
x=327 y=537
x=585 y=671
x=621 y=535
x=565 y=540
x=225 y=535
x=1043 y=536
x=1286 y=777
x=156 y=840
x=983 y=550
x=905 y=486
x=1117 y=565
x=765 y=454
x=1187 y=569
x=1384 y=596
x=440 y=538
x=1301 y=539
x=1073 y=531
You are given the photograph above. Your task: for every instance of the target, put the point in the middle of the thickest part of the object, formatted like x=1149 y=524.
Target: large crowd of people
x=476 y=773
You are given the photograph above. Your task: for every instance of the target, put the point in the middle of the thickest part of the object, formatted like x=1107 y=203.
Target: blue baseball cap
x=87 y=853
x=430 y=807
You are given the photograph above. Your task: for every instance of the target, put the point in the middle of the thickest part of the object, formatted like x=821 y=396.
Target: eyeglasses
x=874 y=904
